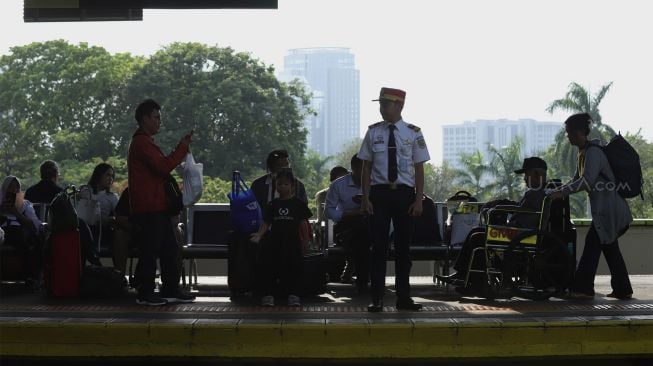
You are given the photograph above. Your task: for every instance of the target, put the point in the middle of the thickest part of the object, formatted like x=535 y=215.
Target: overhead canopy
x=111 y=10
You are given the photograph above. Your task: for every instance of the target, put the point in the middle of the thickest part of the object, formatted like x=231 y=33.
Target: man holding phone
x=148 y=169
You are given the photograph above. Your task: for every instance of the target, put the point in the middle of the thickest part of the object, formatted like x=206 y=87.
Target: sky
x=458 y=60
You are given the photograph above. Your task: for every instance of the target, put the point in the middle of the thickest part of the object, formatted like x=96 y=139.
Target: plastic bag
x=193 y=180
x=87 y=208
x=246 y=216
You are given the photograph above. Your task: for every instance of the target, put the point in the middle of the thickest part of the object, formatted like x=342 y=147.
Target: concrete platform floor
x=332 y=326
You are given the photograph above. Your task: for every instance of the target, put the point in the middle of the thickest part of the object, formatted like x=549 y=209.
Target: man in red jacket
x=148 y=168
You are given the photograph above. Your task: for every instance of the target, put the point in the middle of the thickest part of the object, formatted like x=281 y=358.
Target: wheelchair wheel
x=537 y=273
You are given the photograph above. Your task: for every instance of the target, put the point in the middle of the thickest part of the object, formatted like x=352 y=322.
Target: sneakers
x=408 y=304
x=293 y=300
x=267 y=300
x=619 y=296
x=178 y=297
x=150 y=300
x=456 y=278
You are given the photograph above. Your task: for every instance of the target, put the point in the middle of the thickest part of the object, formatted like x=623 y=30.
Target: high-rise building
x=329 y=73
x=471 y=136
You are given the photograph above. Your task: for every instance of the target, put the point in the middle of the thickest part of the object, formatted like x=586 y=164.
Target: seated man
x=45 y=190
x=343 y=206
x=320 y=197
x=263 y=187
x=534 y=170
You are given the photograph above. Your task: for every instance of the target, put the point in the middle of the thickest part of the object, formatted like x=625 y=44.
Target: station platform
x=334 y=326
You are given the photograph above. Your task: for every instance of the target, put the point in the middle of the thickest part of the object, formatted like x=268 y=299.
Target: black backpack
x=625 y=165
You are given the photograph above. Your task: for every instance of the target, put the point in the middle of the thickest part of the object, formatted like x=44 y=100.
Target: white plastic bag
x=87 y=208
x=193 y=180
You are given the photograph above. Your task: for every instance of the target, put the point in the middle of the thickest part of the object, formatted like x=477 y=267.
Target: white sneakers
x=267 y=300
x=293 y=300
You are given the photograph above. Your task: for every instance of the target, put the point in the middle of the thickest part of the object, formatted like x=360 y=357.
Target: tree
x=348 y=150
x=471 y=175
x=504 y=162
x=439 y=181
x=68 y=93
x=235 y=104
x=578 y=100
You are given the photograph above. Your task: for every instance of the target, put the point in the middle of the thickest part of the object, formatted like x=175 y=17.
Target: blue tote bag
x=246 y=214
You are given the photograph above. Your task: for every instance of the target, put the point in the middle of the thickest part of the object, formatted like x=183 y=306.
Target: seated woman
x=534 y=170
x=21 y=227
x=100 y=185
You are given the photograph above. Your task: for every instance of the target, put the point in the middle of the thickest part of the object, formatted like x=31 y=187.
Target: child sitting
x=281 y=252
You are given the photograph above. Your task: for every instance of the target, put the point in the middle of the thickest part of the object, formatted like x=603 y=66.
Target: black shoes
x=150 y=300
x=178 y=297
x=375 y=307
x=408 y=304
x=456 y=278
x=620 y=296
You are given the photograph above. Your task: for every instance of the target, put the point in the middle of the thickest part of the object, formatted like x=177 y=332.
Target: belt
x=392 y=186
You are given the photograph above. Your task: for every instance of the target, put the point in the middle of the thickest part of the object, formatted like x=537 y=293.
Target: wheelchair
x=533 y=263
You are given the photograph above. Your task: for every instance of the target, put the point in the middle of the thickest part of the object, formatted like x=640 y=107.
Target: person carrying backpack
x=611 y=215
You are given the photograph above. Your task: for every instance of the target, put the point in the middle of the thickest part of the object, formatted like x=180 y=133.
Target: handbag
x=174 y=197
x=246 y=215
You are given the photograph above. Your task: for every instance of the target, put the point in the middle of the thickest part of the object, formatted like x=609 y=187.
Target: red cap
x=394 y=95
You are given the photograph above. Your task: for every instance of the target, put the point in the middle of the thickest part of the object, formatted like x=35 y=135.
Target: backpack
x=625 y=164
x=63 y=216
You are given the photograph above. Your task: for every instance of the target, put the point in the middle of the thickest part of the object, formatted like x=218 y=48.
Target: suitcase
x=314 y=274
x=64 y=264
x=241 y=264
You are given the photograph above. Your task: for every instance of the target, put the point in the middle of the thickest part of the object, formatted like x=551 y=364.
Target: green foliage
x=235 y=104
x=505 y=160
x=578 y=100
x=470 y=177
x=439 y=181
x=215 y=190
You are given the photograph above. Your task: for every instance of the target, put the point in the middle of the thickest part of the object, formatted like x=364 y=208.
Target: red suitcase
x=65 y=264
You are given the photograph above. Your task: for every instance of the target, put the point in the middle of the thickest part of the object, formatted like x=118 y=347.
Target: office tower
x=471 y=136
x=329 y=73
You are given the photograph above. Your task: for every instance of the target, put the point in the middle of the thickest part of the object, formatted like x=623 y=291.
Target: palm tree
x=472 y=173
x=504 y=162
x=578 y=100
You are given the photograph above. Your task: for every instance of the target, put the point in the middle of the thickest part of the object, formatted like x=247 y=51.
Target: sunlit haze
x=458 y=60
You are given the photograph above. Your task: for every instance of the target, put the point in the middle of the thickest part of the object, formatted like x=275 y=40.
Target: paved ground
x=334 y=325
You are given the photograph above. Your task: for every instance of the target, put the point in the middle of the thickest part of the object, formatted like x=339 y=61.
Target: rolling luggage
x=241 y=264
x=314 y=274
x=64 y=264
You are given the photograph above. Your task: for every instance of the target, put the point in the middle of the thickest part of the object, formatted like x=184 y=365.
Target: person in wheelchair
x=534 y=170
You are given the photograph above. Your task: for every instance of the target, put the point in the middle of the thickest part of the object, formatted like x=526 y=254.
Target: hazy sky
x=458 y=60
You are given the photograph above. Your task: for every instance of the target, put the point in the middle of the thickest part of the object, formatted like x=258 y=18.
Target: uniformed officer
x=394 y=153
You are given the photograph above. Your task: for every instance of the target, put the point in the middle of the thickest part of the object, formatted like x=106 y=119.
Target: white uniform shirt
x=340 y=196
x=411 y=149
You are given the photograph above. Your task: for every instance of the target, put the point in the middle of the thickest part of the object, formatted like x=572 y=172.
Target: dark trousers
x=354 y=236
x=280 y=267
x=475 y=239
x=589 y=261
x=391 y=205
x=156 y=238
x=28 y=246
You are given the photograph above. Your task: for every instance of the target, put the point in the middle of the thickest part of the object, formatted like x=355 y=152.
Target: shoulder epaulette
x=375 y=124
x=413 y=127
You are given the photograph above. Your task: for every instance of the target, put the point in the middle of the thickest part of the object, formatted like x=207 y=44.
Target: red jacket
x=147 y=170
